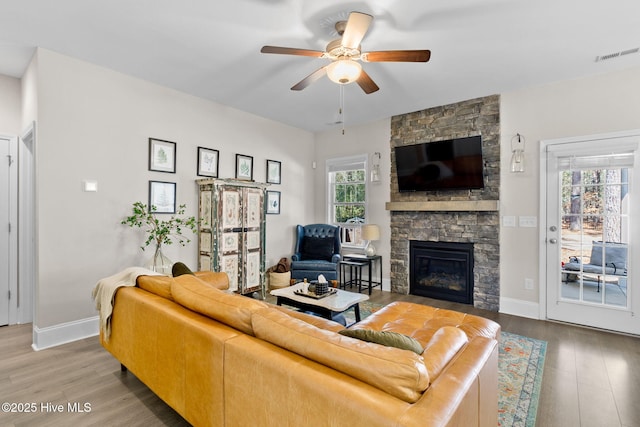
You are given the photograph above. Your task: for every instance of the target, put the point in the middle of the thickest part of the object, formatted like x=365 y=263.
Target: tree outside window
x=348 y=203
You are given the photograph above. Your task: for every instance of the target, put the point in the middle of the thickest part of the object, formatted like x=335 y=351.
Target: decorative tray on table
x=314 y=295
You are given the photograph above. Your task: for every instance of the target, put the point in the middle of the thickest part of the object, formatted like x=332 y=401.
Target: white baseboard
x=520 y=308
x=63 y=333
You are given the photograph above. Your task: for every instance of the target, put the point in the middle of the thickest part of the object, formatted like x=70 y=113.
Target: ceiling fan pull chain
x=342 y=106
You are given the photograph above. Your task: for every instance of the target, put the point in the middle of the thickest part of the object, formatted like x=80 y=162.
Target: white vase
x=159 y=262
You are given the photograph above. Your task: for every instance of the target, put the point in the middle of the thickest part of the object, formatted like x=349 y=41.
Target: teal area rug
x=520 y=368
x=366 y=309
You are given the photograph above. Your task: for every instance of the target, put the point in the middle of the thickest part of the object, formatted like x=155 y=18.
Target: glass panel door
x=589 y=231
x=595 y=235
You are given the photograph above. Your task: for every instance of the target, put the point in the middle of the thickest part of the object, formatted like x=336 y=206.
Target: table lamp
x=370 y=232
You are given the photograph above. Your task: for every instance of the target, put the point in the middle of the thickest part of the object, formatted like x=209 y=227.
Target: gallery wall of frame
x=273 y=202
x=208 y=162
x=244 y=167
x=243 y=260
x=273 y=171
x=162 y=158
x=162 y=155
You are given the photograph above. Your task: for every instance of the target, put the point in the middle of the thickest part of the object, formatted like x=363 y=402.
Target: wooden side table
x=369 y=260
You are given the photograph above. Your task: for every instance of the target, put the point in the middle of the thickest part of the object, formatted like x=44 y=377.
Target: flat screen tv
x=440 y=165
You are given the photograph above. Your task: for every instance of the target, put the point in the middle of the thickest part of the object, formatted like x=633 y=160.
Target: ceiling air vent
x=617 y=54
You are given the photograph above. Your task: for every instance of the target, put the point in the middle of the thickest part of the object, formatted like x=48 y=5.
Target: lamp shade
x=344 y=71
x=370 y=232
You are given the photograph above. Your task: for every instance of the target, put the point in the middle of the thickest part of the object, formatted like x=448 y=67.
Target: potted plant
x=161 y=232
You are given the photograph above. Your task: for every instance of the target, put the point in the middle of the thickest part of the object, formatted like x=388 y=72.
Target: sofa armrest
x=296 y=257
x=466 y=393
x=336 y=258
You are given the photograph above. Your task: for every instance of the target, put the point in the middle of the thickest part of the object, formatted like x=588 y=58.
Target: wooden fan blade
x=357 y=26
x=366 y=83
x=291 y=51
x=398 y=56
x=311 y=78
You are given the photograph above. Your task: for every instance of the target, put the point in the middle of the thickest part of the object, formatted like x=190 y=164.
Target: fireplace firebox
x=441 y=270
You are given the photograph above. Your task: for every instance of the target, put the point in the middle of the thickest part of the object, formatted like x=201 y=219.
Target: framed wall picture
x=244 y=167
x=162 y=155
x=273 y=202
x=208 y=161
x=162 y=195
x=273 y=171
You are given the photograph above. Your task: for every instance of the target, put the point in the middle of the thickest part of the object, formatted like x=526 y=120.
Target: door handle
x=553 y=241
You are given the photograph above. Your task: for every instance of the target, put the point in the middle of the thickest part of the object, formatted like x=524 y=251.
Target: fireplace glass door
x=442 y=270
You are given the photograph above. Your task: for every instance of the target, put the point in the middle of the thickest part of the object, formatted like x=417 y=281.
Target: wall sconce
x=375 y=167
x=517 y=156
x=370 y=232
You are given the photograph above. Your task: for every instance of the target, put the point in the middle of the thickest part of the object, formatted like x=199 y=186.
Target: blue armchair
x=317 y=251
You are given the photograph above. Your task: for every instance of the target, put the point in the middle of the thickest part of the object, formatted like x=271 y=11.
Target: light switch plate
x=508 y=221
x=91 y=186
x=528 y=221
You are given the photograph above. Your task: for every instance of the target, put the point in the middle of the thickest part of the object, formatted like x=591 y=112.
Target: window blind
x=599 y=155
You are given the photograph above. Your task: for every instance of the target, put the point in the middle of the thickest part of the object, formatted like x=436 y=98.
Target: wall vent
x=617 y=54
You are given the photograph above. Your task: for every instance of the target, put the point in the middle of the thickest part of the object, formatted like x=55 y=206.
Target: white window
x=347 y=184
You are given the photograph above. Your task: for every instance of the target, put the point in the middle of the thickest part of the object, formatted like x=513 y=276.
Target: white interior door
x=5 y=206
x=590 y=233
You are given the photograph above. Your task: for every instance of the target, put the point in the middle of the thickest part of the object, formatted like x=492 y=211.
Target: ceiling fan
x=345 y=53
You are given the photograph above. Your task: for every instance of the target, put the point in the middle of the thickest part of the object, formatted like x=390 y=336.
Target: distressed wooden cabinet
x=231 y=237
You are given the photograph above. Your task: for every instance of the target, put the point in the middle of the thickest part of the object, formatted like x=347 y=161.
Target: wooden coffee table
x=327 y=307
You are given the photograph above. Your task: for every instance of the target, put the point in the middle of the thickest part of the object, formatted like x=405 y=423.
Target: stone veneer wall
x=468 y=118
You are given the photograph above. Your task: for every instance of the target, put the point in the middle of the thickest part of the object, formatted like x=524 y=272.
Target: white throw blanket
x=104 y=292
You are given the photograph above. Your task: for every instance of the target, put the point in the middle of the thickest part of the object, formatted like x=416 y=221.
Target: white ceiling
x=211 y=49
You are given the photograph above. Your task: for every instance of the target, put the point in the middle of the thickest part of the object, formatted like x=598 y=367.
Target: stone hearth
x=474 y=223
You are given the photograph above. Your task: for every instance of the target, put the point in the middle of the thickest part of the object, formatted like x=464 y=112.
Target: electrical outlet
x=528 y=284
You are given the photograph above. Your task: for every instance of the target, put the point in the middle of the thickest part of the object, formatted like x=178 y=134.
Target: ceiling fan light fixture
x=344 y=71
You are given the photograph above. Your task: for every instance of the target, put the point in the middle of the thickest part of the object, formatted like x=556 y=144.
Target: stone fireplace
x=450 y=216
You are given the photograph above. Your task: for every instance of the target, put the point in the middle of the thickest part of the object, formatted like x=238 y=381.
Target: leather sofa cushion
x=442 y=348
x=217 y=279
x=400 y=373
x=233 y=310
x=317 y=321
x=422 y=321
x=159 y=285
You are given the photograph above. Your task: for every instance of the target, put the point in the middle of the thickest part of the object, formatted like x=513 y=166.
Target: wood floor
x=591 y=378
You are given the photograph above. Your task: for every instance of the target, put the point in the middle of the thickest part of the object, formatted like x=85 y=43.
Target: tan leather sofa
x=221 y=359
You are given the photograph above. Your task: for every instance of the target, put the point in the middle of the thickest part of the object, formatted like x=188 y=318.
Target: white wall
x=593 y=105
x=10 y=105
x=94 y=124
x=366 y=139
